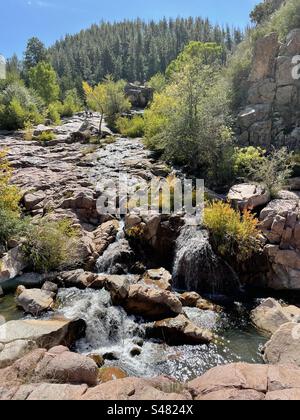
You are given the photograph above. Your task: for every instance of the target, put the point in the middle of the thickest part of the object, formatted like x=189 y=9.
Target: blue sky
x=52 y=19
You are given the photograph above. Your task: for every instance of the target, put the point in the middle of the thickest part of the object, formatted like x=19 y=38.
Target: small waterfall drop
x=118 y=255
x=197 y=267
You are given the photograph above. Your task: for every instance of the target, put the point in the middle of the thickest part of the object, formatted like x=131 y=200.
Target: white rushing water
x=110 y=331
x=196 y=266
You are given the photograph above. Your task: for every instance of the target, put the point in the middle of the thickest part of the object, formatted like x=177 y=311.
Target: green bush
x=233 y=236
x=19 y=105
x=12 y=226
x=247 y=158
x=51 y=245
x=54 y=112
x=131 y=127
x=274 y=170
x=46 y=136
x=72 y=104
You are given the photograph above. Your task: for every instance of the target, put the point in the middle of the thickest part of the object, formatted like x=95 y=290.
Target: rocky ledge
x=58 y=374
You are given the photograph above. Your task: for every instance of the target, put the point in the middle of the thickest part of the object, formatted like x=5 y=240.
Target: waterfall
x=118 y=256
x=197 y=267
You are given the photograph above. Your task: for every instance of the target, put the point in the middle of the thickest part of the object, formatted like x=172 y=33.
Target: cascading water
x=111 y=331
x=117 y=257
x=197 y=267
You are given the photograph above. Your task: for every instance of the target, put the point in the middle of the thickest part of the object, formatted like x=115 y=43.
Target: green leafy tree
x=108 y=98
x=43 y=80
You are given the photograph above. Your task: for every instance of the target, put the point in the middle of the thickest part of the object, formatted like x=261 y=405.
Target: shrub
x=18 y=105
x=51 y=245
x=9 y=194
x=158 y=82
x=131 y=127
x=28 y=134
x=232 y=235
x=10 y=221
x=71 y=104
x=274 y=170
x=12 y=226
x=54 y=111
x=245 y=159
x=46 y=136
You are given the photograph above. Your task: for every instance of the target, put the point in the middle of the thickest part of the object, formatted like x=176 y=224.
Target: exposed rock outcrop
x=274 y=92
x=284 y=346
x=280 y=223
x=269 y=316
x=248 y=196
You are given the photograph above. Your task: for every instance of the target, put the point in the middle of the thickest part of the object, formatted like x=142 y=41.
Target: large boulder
x=151 y=302
x=179 y=331
x=57 y=365
x=160 y=278
x=243 y=381
x=12 y=264
x=44 y=333
x=269 y=316
x=194 y=300
x=248 y=196
x=35 y=301
x=13 y=351
x=284 y=346
x=139 y=96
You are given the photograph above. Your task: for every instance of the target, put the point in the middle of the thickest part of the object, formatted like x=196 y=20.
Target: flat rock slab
x=45 y=333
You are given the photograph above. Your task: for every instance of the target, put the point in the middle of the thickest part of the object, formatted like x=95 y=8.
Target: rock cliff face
x=272 y=114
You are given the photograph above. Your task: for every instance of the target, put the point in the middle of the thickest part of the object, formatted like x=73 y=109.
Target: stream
x=120 y=338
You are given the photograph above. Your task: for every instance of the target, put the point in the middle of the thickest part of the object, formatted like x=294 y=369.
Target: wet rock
x=110 y=373
x=248 y=196
x=284 y=346
x=35 y=301
x=160 y=278
x=110 y=356
x=194 y=300
x=12 y=264
x=136 y=351
x=179 y=331
x=151 y=302
x=1 y=292
x=2 y=320
x=98 y=359
x=104 y=236
x=269 y=316
x=45 y=333
x=76 y=278
x=50 y=287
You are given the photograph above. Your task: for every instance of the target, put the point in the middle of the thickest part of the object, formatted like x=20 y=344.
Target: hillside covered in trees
x=132 y=50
